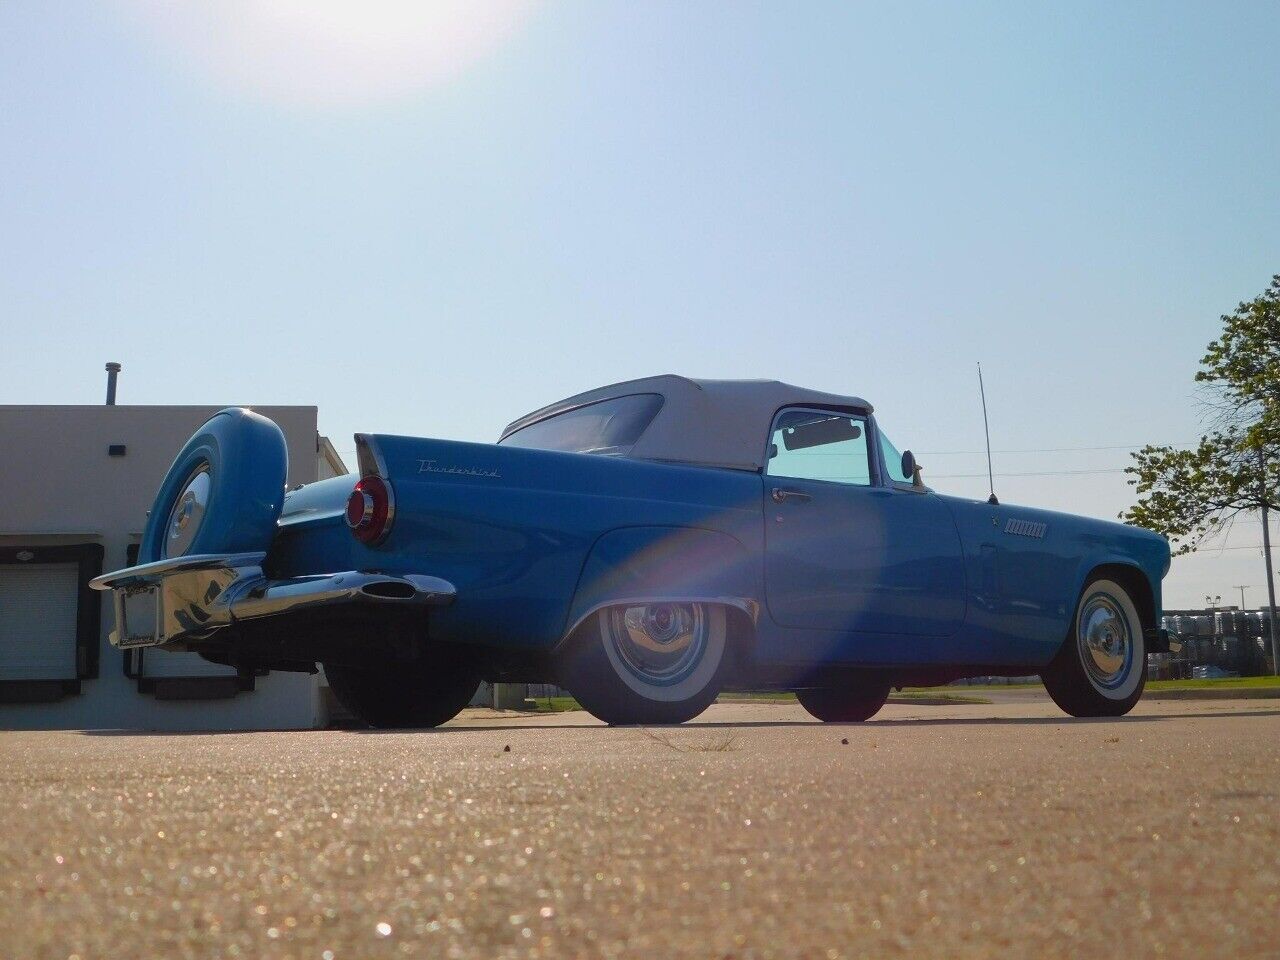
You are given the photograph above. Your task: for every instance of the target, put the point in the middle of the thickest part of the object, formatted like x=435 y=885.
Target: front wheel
x=649 y=663
x=1102 y=667
x=425 y=692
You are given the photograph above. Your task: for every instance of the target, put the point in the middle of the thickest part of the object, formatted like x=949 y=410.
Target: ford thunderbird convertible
x=646 y=545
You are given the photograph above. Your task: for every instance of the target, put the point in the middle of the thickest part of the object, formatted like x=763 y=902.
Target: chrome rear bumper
x=190 y=597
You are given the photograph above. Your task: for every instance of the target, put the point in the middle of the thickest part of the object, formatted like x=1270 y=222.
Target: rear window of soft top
x=605 y=427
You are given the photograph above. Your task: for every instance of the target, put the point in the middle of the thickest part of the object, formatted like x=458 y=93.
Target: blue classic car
x=647 y=545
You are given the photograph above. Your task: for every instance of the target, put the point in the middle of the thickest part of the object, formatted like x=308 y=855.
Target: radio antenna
x=986 y=429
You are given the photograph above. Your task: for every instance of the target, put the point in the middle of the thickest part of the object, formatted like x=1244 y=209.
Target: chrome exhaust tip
x=389 y=590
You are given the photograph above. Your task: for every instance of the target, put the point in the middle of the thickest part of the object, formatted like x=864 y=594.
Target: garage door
x=172 y=663
x=38 y=621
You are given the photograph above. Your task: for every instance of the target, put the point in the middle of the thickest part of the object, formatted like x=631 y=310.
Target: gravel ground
x=950 y=831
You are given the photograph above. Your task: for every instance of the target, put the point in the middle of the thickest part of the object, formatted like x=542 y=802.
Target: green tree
x=1192 y=495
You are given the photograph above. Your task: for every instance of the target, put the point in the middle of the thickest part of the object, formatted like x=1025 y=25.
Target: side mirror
x=909 y=466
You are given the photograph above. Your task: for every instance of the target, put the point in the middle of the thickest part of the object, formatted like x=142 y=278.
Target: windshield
x=892 y=460
x=605 y=427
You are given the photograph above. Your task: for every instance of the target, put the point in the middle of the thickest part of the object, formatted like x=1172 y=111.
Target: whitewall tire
x=649 y=663
x=1101 y=669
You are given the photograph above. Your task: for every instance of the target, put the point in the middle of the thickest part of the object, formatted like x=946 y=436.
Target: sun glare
x=327 y=52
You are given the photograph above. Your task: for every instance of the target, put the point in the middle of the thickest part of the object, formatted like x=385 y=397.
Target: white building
x=75 y=486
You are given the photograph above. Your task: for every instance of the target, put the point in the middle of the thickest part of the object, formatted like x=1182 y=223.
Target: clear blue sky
x=427 y=225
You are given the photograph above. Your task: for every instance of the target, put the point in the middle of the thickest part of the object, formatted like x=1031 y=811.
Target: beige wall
x=59 y=486
x=329 y=461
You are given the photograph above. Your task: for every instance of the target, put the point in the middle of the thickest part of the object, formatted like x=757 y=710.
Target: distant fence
x=1234 y=641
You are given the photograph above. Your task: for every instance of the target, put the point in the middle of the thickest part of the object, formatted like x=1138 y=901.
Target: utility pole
x=1242 y=588
x=1266 y=550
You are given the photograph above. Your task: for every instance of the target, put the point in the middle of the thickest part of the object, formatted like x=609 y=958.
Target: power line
x=1032 y=473
x=1124 y=446
x=1210 y=551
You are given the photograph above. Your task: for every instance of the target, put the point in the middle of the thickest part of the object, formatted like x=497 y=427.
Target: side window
x=892 y=460
x=812 y=445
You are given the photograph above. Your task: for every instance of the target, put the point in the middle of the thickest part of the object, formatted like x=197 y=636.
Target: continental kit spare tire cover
x=223 y=493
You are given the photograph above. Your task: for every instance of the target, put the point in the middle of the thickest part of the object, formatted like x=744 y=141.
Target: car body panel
x=862 y=560
x=535 y=540
x=1026 y=568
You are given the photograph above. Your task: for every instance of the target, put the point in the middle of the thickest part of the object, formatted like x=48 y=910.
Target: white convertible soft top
x=719 y=423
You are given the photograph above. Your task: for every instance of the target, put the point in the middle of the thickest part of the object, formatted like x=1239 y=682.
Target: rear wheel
x=1102 y=667
x=649 y=663
x=425 y=692
x=851 y=703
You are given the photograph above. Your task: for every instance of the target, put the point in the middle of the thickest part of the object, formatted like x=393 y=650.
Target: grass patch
x=555 y=705
x=1227 y=683
x=921 y=693
x=934 y=693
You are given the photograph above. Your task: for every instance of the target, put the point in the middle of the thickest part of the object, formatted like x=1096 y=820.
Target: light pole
x=1211 y=601
x=1266 y=548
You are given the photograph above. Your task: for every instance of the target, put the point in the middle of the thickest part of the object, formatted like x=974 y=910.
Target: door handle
x=782 y=494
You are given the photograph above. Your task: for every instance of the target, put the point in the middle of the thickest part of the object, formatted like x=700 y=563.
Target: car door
x=850 y=551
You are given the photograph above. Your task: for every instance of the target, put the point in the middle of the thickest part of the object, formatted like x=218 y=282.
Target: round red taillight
x=370 y=510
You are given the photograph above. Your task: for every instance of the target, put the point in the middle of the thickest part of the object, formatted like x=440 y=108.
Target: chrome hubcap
x=1106 y=645
x=661 y=643
x=188 y=512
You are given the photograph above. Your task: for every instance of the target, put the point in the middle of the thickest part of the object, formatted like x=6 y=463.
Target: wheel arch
x=668 y=564
x=741 y=614
x=1131 y=577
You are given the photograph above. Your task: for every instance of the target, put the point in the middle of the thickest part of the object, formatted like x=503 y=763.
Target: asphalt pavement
x=935 y=831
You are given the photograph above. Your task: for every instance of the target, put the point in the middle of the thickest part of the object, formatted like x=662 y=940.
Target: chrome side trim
x=275 y=597
x=160 y=568
x=746 y=604
x=195 y=596
x=391 y=511
x=369 y=456
x=304 y=517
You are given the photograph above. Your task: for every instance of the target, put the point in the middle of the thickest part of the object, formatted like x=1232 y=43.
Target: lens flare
x=323 y=53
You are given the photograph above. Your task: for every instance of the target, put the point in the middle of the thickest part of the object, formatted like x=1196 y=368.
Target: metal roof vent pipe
x=113 y=371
